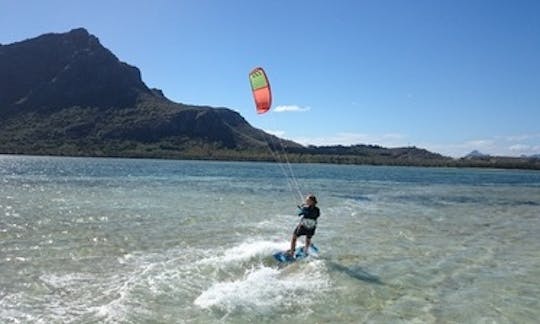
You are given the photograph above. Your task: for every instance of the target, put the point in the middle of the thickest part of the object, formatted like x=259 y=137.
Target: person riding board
x=307 y=225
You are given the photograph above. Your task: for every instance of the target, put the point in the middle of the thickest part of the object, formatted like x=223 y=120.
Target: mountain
x=476 y=154
x=66 y=94
x=56 y=71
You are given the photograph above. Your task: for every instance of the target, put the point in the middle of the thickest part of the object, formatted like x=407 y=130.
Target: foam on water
x=242 y=252
x=263 y=288
x=118 y=295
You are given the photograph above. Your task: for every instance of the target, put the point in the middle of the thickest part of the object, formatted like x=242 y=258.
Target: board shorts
x=302 y=230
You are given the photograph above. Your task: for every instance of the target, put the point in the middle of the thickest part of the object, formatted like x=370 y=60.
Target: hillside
x=66 y=94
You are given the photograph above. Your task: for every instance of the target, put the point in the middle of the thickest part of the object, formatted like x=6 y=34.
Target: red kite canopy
x=261 y=90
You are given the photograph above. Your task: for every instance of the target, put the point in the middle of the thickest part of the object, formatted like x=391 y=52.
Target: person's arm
x=302 y=210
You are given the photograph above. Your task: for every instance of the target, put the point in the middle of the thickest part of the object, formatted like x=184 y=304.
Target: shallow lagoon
x=119 y=240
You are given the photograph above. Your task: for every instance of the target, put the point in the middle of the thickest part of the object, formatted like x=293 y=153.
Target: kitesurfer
x=307 y=225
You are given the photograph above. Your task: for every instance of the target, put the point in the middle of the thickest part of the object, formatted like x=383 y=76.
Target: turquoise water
x=136 y=241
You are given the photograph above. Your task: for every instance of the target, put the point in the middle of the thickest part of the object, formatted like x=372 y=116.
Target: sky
x=450 y=76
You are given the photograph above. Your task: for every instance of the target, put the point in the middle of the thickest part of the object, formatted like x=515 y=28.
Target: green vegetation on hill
x=65 y=94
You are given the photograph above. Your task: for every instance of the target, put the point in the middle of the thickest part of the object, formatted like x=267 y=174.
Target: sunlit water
x=132 y=241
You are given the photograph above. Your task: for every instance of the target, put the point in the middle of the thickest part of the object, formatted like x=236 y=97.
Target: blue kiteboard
x=283 y=256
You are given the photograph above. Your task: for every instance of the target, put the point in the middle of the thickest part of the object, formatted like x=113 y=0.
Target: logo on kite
x=261 y=90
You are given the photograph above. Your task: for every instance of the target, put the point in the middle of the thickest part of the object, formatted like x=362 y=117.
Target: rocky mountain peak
x=55 y=71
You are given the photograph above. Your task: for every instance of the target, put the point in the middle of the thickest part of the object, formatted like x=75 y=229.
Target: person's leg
x=308 y=242
x=293 y=244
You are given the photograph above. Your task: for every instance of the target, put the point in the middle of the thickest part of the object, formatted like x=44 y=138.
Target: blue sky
x=450 y=76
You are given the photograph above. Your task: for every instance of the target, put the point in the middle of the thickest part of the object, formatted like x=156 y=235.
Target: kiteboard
x=299 y=254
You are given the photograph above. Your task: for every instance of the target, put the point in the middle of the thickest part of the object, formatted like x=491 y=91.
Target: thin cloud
x=519 y=138
x=275 y=132
x=480 y=143
x=344 y=138
x=512 y=145
x=291 y=108
x=520 y=148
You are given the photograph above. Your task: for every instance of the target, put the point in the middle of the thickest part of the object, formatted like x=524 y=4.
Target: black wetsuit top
x=310 y=214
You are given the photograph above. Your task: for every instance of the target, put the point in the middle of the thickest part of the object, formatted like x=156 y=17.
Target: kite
x=261 y=90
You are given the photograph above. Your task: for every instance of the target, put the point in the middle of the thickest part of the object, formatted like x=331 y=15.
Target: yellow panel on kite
x=261 y=90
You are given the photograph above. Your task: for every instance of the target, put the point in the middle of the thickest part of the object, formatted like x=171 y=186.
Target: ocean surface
x=88 y=240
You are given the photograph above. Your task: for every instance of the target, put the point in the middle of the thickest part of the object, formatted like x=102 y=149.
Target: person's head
x=311 y=200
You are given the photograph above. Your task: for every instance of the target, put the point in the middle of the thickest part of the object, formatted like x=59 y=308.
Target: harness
x=309 y=219
x=308 y=223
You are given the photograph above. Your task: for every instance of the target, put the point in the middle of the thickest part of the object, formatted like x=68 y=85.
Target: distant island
x=67 y=95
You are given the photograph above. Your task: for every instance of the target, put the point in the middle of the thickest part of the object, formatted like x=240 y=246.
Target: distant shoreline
x=509 y=163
